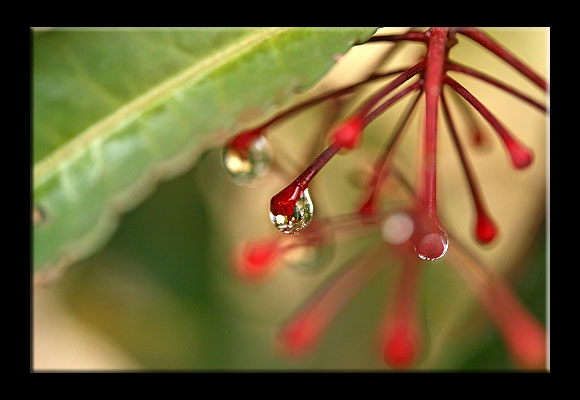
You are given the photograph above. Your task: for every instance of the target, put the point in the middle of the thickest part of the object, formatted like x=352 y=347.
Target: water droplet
x=246 y=164
x=432 y=246
x=311 y=257
x=289 y=215
x=430 y=239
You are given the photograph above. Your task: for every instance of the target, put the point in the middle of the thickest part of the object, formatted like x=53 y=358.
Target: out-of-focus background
x=163 y=294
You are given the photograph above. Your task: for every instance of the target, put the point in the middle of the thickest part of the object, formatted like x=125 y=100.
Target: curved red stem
x=470 y=71
x=327 y=95
x=380 y=109
x=521 y=157
x=434 y=72
x=485 y=229
x=405 y=76
x=410 y=36
x=487 y=42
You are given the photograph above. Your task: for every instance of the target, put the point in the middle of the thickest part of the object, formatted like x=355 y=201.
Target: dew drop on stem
x=247 y=158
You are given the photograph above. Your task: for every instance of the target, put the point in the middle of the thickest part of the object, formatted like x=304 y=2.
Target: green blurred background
x=162 y=294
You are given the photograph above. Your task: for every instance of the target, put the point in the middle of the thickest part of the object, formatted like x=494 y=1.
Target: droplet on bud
x=432 y=246
x=430 y=239
x=246 y=158
x=311 y=257
x=291 y=210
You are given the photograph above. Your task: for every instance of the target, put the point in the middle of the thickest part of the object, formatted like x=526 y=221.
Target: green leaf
x=116 y=111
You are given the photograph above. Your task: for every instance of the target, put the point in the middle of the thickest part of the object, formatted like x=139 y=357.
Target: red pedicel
x=257 y=259
x=291 y=209
x=400 y=348
x=485 y=230
x=348 y=133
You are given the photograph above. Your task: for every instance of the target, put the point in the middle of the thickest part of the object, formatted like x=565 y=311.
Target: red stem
x=325 y=96
x=375 y=178
x=390 y=52
x=380 y=109
x=474 y=125
x=405 y=76
x=487 y=42
x=410 y=36
x=495 y=82
x=520 y=156
x=468 y=173
x=304 y=179
x=434 y=71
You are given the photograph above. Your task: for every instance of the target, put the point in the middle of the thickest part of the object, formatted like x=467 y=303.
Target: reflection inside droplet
x=246 y=165
x=432 y=246
x=301 y=216
x=311 y=257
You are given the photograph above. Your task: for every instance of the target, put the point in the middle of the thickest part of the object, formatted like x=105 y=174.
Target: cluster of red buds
x=413 y=233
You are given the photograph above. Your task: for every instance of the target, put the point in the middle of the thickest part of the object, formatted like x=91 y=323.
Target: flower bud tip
x=485 y=230
x=348 y=133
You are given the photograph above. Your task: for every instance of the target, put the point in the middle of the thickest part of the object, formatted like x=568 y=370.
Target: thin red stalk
x=468 y=173
x=333 y=290
x=474 y=125
x=434 y=71
x=401 y=126
x=390 y=52
x=304 y=329
x=329 y=119
x=384 y=157
x=327 y=95
x=304 y=179
x=402 y=334
x=405 y=76
x=372 y=74
x=485 y=229
x=380 y=109
x=347 y=225
x=520 y=156
x=495 y=82
x=487 y=42
x=256 y=258
x=523 y=334
x=410 y=36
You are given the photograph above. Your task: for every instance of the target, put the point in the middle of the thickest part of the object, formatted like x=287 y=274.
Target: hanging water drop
x=313 y=256
x=432 y=245
x=291 y=210
x=430 y=239
x=246 y=158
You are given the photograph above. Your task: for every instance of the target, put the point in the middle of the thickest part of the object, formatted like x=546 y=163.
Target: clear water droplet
x=246 y=165
x=433 y=246
x=301 y=216
x=312 y=257
x=430 y=239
